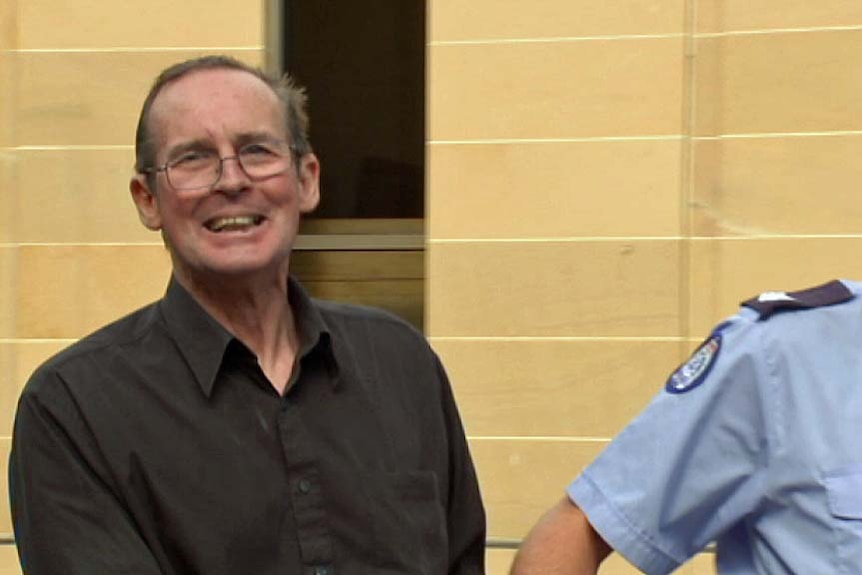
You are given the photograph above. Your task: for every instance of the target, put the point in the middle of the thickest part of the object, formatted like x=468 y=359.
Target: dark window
x=363 y=64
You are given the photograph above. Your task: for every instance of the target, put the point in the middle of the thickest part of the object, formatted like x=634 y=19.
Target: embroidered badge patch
x=694 y=371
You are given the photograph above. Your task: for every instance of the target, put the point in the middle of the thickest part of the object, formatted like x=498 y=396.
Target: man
x=238 y=426
x=753 y=444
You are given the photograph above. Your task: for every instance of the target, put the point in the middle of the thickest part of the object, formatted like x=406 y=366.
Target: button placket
x=307 y=501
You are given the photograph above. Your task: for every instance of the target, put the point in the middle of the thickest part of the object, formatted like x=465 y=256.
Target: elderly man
x=753 y=444
x=238 y=426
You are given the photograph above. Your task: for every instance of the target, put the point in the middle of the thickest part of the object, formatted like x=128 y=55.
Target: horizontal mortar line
x=670 y=35
x=554 y=239
x=132 y=49
x=486 y=41
x=611 y=239
x=72 y=147
x=773 y=135
x=528 y=240
x=38 y=340
x=486 y=141
x=554 y=438
x=766 y=31
x=658 y=138
x=562 y=338
x=79 y=244
x=553 y=39
x=778 y=237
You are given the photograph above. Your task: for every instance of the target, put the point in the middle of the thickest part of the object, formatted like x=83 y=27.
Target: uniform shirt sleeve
x=465 y=514
x=66 y=517
x=691 y=465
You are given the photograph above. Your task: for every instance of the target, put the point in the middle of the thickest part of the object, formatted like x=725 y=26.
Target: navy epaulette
x=827 y=294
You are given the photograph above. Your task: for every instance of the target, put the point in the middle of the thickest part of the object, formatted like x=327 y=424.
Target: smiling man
x=238 y=426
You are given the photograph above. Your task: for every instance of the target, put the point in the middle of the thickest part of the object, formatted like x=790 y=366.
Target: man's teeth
x=233 y=223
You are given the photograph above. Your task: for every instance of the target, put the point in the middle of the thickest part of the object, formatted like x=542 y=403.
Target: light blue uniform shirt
x=759 y=448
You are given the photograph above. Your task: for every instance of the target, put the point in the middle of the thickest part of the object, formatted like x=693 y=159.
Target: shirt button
x=305 y=487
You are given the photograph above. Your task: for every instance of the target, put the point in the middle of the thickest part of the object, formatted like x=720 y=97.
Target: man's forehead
x=203 y=95
x=219 y=74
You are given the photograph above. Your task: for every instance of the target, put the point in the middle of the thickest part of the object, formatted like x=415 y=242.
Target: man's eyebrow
x=256 y=136
x=197 y=144
x=238 y=141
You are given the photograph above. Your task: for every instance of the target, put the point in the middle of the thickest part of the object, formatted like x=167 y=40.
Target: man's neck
x=258 y=313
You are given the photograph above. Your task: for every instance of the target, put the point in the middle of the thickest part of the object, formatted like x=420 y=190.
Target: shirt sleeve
x=465 y=514
x=66 y=517
x=693 y=464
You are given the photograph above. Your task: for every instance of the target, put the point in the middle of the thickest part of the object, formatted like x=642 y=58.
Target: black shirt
x=158 y=446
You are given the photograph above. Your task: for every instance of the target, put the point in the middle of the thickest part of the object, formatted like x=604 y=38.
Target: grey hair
x=293 y=98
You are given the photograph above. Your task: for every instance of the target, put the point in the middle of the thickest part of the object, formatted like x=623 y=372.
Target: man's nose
x=232 y=177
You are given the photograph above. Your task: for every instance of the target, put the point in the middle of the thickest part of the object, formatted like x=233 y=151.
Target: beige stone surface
x=779 y=83
x=9 y=560
x=8 y=79
x=555 y=388
x=69 y=291
x=8 y=389
x=46 y=24
x=521 y=479
x=778 y=186
x=524 y=190
x=744 y=15
x=9 y=24
x=726 y=272
x=590 y=289
x=555 y=90
x=703 y=564
x=9 y=198
x=8 y=282
x=499 y=561
x=77 y=196
x=89 y=98
x=503 y=19
x=5 y=516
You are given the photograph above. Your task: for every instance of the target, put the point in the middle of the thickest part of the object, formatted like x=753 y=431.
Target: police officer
x=755 y=443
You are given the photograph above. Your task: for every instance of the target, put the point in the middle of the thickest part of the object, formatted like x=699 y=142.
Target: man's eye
x=192 y=159
x=257 y=150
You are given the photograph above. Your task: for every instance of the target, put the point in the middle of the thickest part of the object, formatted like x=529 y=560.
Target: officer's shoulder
x=771 y=303
x=751 y=320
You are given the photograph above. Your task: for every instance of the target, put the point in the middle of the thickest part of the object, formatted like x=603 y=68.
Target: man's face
x=221 y=110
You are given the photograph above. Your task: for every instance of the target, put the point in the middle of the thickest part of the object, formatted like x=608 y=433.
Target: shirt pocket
x=408 y=522
x=844 y=496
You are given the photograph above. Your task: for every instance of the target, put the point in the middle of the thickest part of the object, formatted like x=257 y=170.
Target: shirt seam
x=631 y=527
x=90 y=345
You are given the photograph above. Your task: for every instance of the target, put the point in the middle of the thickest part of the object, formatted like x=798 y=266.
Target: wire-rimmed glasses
x=197 y=169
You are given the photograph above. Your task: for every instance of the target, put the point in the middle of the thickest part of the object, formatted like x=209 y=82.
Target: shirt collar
x=314 y=333
x=203 y=341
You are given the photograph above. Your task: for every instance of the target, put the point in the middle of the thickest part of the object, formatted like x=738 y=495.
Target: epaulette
x=772 y=302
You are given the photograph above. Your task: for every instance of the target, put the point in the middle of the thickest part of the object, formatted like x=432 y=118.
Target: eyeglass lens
x=198 y=170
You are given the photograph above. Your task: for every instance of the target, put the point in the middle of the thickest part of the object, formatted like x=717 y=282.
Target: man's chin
x=233 y=269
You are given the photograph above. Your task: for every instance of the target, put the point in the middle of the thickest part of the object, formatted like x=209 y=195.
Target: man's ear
x=308 y=177
x=146 y=202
